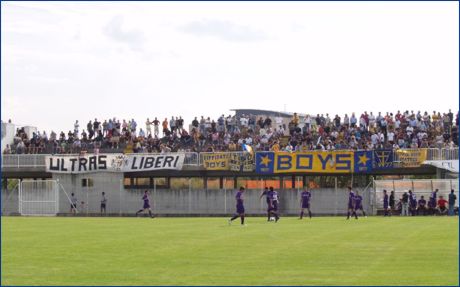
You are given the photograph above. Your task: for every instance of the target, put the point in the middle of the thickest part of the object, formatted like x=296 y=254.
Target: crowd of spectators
x=228 y=133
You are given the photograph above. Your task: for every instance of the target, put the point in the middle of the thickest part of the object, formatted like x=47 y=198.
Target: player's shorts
x=385 y=206
x=305 y=204
x=146 y=205
x=102 y=205
x=350 y=206
x=275 y=205
x=239 y=208
x=73 y=205
x=359 y=207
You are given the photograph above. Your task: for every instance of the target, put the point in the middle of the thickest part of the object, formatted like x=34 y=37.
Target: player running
x=359 y=204
x=239 y=207
x=146 y=200
x=274 y=202
x=351 y=205
x=305 y=197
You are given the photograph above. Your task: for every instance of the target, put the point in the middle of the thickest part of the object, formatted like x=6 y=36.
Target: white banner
x=450 y=165
x=113 y=162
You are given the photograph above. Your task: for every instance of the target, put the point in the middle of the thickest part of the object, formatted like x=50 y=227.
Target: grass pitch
x=206 y=251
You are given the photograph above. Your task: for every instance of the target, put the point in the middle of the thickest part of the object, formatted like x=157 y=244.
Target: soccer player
x=239 y=207
x=146 y=200
x=421 y=205
x=274 y=201
x=73 y=203
x=305 y=203
x=266 y=192
x=103 y=203
x=385 y=203
x=412 y=203
x=359 y=204
x=432 y=202
x=351 y=205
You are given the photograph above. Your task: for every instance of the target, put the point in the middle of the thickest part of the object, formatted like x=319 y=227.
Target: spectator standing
x=156 y=124
x=405 y=204
x=103 y=203
x=75 y=128
x=392 y=201
x=73 y=203
x=148 y=127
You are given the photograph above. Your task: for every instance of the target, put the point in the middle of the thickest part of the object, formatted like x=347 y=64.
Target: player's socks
x=242 y=220
x=268 y=216
x=309 y=213
x=348 y=215
x=234 y=217
x=301 y=215
x=364 y=213
x=150 y=213
x=356 y=215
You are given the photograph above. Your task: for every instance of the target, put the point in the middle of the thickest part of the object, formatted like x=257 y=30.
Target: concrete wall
x=180 y=202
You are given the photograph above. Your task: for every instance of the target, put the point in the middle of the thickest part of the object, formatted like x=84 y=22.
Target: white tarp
x=113 y=162
x=450 y=165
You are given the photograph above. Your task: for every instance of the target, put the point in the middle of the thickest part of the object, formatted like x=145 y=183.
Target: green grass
x=206 y=251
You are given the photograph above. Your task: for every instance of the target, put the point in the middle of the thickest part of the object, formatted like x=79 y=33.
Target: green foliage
x=206 y=251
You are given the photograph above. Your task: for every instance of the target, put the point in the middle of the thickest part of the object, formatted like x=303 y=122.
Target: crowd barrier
x=271 y=162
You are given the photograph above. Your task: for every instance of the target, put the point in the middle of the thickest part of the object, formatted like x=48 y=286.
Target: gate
x=39 y=197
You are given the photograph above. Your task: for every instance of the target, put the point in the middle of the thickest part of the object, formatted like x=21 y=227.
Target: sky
x=81 y=60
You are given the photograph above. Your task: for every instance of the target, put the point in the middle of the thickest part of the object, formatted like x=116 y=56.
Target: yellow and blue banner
x=313 y=162
x=383 y=159
x=363 y=161
x=411 y=157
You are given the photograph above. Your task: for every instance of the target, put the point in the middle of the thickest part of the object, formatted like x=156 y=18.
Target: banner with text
x=411 y=157
x=216 y=161
x=113 y=163
x=313 y=162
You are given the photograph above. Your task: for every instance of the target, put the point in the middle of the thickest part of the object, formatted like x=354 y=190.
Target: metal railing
x=196 y=159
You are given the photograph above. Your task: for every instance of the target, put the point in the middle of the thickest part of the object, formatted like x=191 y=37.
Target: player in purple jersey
x=421 y=206
x=266 y=192
x=385 y=203
x=359 y=204
x=305 y=197
x=146 y=206
x=432 y=202
x=239 y=207
x=351 y=203
x=274 y=202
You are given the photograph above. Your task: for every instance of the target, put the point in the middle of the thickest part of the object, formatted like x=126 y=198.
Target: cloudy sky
x=81 y=60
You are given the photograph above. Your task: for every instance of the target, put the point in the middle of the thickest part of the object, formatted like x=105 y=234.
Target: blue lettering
x=343 y=159
x=300 y=158
x=284 y=162
x=324 y=161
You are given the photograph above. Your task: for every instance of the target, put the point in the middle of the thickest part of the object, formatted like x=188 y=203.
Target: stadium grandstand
x=262 y=130
x=195 y=170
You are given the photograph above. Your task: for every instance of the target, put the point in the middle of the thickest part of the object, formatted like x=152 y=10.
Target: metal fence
x=418 y=186
x=196 y=159
x=174 y=202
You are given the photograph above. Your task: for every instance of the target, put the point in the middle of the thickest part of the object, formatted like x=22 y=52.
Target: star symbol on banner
x=363 y=159
x=265 y=160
